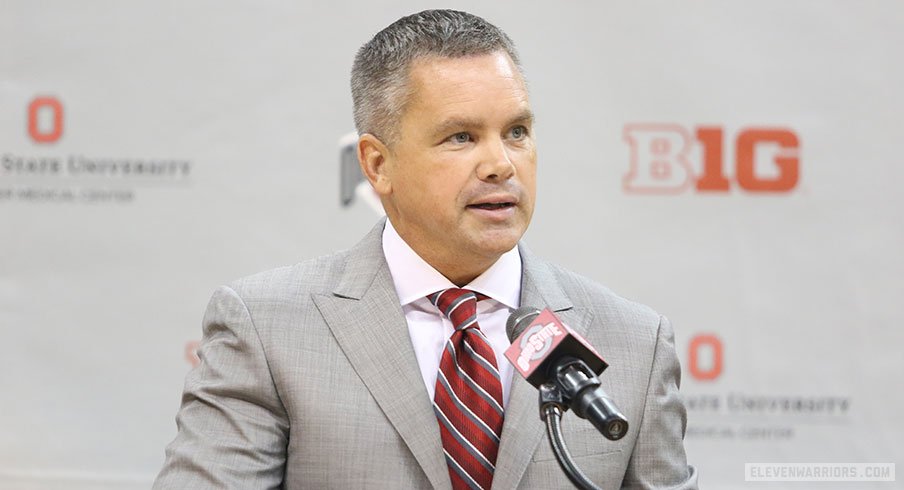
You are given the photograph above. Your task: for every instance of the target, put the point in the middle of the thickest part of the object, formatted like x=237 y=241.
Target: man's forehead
x=427 y=70
x=447 y=84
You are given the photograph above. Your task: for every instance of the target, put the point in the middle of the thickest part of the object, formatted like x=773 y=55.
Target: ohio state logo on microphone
x=547 y=338
x=530 y=350
x=536 y=342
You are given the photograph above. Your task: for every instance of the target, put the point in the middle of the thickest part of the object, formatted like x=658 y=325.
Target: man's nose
x=496 y=162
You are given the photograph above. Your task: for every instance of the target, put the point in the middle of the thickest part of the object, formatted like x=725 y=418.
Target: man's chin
x=497 y=242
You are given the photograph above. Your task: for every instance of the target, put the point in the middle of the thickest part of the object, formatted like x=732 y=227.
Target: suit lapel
x=523 y=430
x=366 y=319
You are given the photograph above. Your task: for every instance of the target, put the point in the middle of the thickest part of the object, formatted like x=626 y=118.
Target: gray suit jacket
x=308 y=379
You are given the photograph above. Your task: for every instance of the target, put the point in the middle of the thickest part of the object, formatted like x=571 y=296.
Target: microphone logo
x=536 y=342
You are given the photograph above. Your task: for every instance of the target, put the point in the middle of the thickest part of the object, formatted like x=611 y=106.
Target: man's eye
x=519 y=132
x=460 y=138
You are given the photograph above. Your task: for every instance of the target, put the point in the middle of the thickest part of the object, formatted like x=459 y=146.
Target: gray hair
x=380 y=71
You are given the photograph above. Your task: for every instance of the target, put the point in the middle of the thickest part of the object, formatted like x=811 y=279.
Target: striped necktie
x=468 y=396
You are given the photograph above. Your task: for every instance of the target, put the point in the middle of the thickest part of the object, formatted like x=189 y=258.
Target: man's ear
x=373 y=156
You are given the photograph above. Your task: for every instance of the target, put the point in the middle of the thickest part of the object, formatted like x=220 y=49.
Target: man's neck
x=415 y=278
x=459 y=269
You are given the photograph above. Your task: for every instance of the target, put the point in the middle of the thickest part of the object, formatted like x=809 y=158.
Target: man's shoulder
x=589 y=294
x=319 y=274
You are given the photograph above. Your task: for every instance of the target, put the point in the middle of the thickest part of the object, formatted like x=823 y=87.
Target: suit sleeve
x=659 y=460
x=232 y=426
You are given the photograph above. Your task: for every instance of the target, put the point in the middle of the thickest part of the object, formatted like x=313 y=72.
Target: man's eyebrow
x=525 y=116
x=454 y=124
x=458 y=123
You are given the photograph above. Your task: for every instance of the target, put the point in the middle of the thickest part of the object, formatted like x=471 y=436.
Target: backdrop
x=735 y=165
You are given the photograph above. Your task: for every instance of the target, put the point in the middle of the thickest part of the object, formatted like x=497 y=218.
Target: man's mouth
x=492 y=205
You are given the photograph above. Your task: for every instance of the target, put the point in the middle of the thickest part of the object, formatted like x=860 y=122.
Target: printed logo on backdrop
x=717 y=411
x=41 y=171
x=45 y=119
x=352 y=183
x=672 y=159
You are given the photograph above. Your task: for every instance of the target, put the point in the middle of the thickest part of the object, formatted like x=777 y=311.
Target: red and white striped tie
x=468 y=397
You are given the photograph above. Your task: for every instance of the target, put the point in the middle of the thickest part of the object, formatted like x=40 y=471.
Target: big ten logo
x=669 y=159
x=705 y=357
x=45 y=119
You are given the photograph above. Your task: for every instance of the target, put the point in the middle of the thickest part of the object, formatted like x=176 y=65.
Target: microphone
x=544 y=350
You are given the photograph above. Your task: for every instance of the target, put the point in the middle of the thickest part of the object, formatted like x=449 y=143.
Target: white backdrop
x=154 y=150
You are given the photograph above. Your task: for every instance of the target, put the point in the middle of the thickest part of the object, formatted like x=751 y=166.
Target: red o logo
x=705 y=360
x=43 y=105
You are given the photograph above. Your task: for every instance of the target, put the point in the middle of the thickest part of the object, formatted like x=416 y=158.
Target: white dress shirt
x=415 y=279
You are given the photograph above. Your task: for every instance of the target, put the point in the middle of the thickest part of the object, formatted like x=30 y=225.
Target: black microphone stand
x=552 y=406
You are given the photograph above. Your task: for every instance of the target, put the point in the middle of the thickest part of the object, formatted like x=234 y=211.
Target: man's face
x=462 y=173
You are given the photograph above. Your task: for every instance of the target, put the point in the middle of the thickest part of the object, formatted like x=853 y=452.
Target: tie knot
x=458 y=305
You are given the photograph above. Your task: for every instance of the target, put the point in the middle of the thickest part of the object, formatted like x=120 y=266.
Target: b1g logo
x=669 y=158
x=45 y=119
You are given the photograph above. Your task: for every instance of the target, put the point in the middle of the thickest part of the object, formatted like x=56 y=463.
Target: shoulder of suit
x=587 y=293
x=317 y=275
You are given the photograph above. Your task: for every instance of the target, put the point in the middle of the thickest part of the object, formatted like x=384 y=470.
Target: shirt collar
x=414 y=278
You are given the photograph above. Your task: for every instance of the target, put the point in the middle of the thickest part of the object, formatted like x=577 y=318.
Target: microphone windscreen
x=518 y=320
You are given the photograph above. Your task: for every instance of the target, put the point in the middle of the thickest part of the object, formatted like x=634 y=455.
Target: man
x=378 y=367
